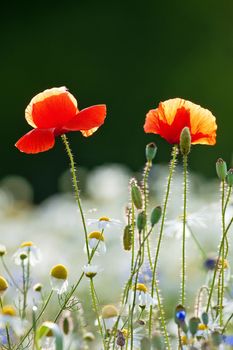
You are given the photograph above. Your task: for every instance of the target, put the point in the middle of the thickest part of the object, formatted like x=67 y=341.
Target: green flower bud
x=127 y=237
x=221 y=169
x=155 y=215
x=157 y=341
x=151 y=150
x=193 y=325
x=216 y=338
x=229 y=177
x=185 y=141
x=145 y=344
x=205 y=318
x=136 y=195
x=141 y=221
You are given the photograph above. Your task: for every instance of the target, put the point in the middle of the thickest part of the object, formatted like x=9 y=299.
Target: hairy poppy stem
x=183 y=272
x=154 y=286
x=76 y=189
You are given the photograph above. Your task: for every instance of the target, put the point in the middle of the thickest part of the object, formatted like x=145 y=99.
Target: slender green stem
x=9 y=274
x=183 y=271
x=93 y=294
x=76 y=188
x=172 y=167
x=36 y=320
x=223 y=255
x=227 y=322
x=198 y=244
x=24 y=290
x=133 y=234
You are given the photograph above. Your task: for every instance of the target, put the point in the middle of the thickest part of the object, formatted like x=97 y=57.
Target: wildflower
x=3 y=286
x=54 y=112
x=8 y=318
x=91 y=270
x=103 y=222
x=59 y=282
x=109 y=315
x=142 y=297
x=27 y=253
x=66 y=322
x=169 y=119
x=96 y=241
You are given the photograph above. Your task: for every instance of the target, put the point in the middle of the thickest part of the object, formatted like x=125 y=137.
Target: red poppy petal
x=36 y=141
x=88 y=118
x=51 y=109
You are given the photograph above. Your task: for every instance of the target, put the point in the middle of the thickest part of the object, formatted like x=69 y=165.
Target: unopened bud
x=151 y=150
x=141 y=221
x=157 y=341
x=155 y=215
x=205 y=318
x=37 y=287
x=229 y=177
x=23 y=256
x=216 y=338
x=2 y=250
x=193 y=325
x=127 y=237
x=221 y=169
x=185 y=141
x=136 y=196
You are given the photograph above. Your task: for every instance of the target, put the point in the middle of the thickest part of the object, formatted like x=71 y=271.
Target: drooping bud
x=221 y=169
x=193 y=325
x=185 y=141
x=155 y=215
x=136 y=195
x=229 y=177
x=127 y=238
x=151 y=150
x=141 y=221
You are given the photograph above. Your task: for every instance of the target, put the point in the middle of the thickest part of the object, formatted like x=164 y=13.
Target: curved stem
x=183 y=273
x=172 y=167
x=76 y=189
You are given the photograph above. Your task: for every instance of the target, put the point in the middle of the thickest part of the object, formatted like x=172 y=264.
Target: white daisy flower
x=96 y=242
x=109 y=316
x=91 y=270
x=103 y=222
x=3 y=286
x=27 y=252
x=9 y=319
x=58 y=277
x=142 y=297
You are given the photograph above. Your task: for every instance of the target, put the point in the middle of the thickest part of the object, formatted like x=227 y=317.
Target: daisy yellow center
x=8 y=310
x=109 y=311
x=125 y=332
x=26 y=244
x=104 y=218
x=59 y=272
x=3 y=284
x=225 y=264
x=141 y=287
x=97 y=235
x=202 y=327
x=184 y=340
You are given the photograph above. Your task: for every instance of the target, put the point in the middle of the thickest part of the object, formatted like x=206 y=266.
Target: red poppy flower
x=54 y=112
x=169 y=119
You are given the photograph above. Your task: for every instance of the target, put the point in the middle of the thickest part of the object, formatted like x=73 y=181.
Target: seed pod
x=229 y=177
x=155 y=215
x=221 y=169
x=185 y=141
x=151 y=150
x=127 y=237
x=136 y=196
x=141 y=221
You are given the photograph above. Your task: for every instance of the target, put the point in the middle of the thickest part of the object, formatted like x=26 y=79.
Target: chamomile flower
x=58 y=277
x=3 y=286
x=8 y=318
x=91 y=270
x=103 y=222
x=27 y=252
x=109 y=316
x=142 y=297
x=96 y=241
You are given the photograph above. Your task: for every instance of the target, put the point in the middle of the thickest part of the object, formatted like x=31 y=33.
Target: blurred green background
x=127 y=54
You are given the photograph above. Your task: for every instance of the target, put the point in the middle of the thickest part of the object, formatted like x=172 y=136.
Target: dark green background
x=127 y=54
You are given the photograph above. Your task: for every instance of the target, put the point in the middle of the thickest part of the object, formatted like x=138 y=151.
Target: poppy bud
x=221 y=169
x=216 y=338
x=205 y=318
x=193 y=325
x=185 y=141
x=229 y=177
x=155 y=215
x=127 y=237
x=141 y=221
x=136 y=195
x=151 y=150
